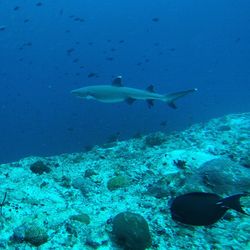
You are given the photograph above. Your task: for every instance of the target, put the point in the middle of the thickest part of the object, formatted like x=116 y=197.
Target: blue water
x=48 y=49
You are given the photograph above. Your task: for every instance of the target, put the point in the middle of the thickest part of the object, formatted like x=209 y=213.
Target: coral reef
x=77 y=201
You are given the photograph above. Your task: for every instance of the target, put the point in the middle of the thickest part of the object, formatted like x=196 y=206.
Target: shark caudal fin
x=171 y=98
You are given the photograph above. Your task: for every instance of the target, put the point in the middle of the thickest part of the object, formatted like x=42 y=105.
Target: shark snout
x=73 y=92
x=76 y=92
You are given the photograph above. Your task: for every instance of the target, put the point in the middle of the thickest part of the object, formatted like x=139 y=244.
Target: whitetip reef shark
x=116 y=92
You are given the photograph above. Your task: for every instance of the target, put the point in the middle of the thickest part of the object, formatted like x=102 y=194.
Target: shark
x=116 y=92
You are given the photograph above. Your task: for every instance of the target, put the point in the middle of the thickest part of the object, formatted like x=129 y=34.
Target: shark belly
x=108 y=100
x=107 y=97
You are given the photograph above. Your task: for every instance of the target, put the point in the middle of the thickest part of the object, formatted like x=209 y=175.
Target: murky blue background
x=48 y=48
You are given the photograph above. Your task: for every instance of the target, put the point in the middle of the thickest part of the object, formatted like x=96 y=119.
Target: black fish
x=16 y=8
x=202 y=209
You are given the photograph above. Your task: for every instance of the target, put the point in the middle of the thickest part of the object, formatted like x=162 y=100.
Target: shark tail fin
x=171 y=98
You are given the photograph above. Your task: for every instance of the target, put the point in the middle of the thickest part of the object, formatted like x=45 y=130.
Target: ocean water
x=48 y=48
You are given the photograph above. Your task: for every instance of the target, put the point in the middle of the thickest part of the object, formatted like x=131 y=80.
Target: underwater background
x=48 y=48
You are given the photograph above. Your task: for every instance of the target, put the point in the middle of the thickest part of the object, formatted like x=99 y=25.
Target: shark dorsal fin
x=150 y=88
x=117 y=81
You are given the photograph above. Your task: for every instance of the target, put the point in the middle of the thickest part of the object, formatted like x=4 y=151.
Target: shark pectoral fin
x=130 y=100
x=117 y=81
x=172 y=105
x=171 y=98
x=150 y=103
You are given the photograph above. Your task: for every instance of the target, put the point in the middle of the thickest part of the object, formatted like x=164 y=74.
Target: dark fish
x=109 y=58
x=113 y=137
x=163 y=123
x=202 y=209
x=92 y=74
x=69 y=51
x=28 y=44
x=155 y=19
x=16 y=8
x=76 y=60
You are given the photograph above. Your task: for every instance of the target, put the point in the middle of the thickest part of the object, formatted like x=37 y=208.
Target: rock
x=158 y=190
x=83 y=218
x=36 y=235
x=223 y=176
x=39 y=168
x=18 y=234
x=131 y=231
x=89 y=172
x=83 y=184
x=117 y=182
x=154 y=139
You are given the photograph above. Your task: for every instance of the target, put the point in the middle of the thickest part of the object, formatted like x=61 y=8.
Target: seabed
x=68 y=201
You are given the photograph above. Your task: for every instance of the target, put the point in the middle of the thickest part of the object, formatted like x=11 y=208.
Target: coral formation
x=117 y=182
x=131 y=231
x=74 y=204
x=39 y=167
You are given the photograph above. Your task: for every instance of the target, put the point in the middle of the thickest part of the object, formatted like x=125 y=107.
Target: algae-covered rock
x=117 y=182
x=36 y=235
x=83 y=218
x=159 y=189
x=221 y=176
x=83 y=184
x=155 y=139
x=18 y=234
x=39 y=167
x=131 y=231
x=89 y=172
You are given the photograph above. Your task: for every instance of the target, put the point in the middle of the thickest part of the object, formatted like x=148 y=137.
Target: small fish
x=163 y=123
x=2 y=28
x=69 y=51
x=92 y=74
x=70 y=129
x=155 y=19
x=109 y=58
x=202 y=209
x=16 y=8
